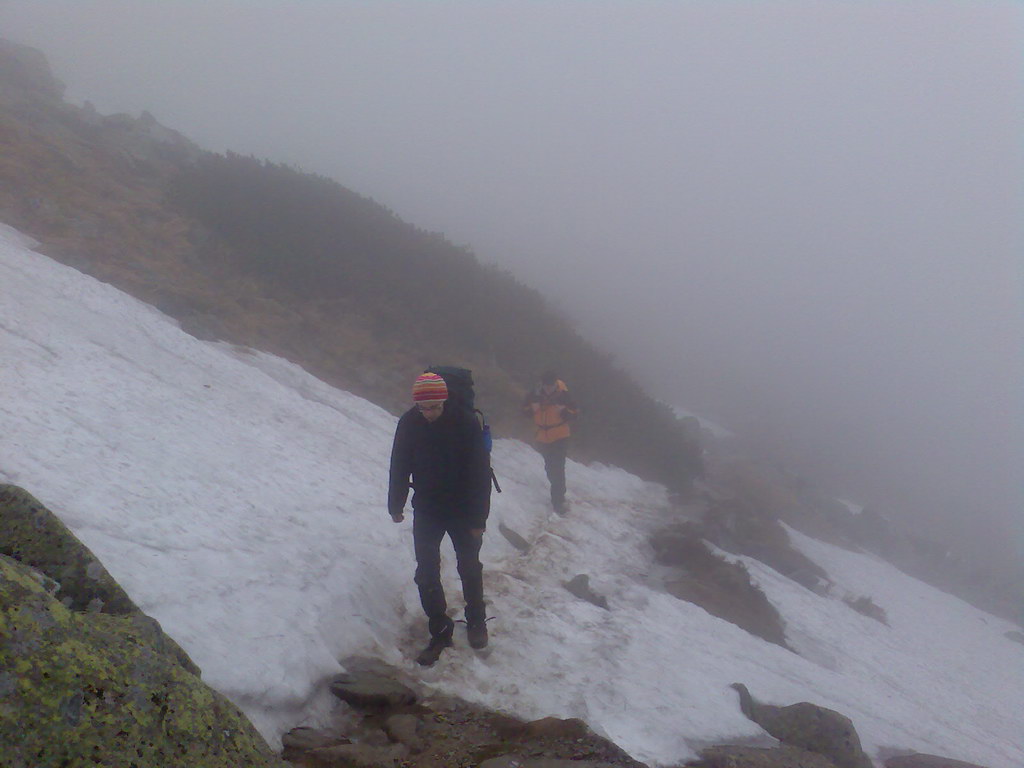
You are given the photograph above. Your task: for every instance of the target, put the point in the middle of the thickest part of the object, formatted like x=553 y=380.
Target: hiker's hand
x=397 y=517
x=476 y=533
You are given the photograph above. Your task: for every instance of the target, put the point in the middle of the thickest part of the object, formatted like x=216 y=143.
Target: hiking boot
x=476 y=633
x=429 y=655
x=441 y=629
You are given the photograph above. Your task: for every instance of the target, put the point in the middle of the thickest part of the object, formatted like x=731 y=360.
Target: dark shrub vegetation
x=307 y=238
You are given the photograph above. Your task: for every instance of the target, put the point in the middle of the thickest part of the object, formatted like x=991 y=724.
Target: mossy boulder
x=36 y=537
x=89 y=687
x=33 y=535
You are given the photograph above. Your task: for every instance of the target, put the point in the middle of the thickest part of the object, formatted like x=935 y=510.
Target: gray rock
x=760 y=757
x=580 y=587
x=368 y=690
x=35 y=537
x=25 y=76
x=375 y=737
x=927 y=761
x=359 y=756
x=514 y=538
x=405 y=730
x=504 y=761
x=571 y=728
x=303 y=739
x=809 y=727
x=518 y=761
x=97 y=685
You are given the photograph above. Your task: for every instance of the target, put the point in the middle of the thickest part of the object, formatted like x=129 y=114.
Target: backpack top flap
x=460 y=384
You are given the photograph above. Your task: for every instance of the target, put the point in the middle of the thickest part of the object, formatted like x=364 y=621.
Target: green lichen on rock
x=91 y=689
x=33 y=535
x=81 y=686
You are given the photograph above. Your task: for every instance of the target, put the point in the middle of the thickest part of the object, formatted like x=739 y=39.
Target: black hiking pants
x=428 y=530
x=554 y=467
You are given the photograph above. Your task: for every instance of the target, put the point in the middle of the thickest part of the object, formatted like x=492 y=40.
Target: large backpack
x=462 y=395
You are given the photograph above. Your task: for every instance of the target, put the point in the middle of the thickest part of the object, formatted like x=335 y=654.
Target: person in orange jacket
x=552 y=409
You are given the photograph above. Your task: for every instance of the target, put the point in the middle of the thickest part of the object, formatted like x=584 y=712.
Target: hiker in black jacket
x=443 y=451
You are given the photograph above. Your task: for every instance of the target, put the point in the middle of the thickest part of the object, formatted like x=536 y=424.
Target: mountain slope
x=239 y=500
x=297 y=265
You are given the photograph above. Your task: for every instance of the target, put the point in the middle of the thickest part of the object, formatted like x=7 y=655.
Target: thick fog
x=802 y=219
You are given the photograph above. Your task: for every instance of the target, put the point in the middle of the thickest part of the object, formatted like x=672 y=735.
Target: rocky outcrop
x=760 y=757
x=144 y=140
x=90 y=679
x=740 y=528
x=721 y=588
x=868 y=607
x=580 y=587
x=25 y=76
x=519 y=761
x=927 y=761
x=36 y=537
x=808 y=726
x=513 y=538
x=371 y=690
x=389 y=725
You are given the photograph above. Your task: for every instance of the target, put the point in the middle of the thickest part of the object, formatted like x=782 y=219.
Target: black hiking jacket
x=448 y=463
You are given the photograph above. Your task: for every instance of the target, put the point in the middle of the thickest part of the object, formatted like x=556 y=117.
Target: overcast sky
x=800 y=218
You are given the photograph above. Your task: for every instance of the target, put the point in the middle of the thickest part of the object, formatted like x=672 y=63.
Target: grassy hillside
x=267 y=256
x=309 y=242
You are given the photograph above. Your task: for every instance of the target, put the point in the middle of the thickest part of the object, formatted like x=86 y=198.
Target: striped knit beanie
x=428 y=388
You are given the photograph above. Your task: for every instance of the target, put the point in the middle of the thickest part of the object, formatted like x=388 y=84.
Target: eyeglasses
x=429 y=407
